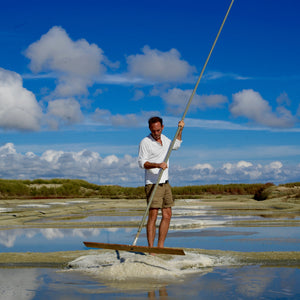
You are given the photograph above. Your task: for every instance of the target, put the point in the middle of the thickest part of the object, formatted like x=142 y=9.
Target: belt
x=167 y=181
x=161 y=184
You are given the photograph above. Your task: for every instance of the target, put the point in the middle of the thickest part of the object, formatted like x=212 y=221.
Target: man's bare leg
x=164 y=226
x=151 y=229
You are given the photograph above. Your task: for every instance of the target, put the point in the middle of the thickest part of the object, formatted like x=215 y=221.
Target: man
x=152 y=153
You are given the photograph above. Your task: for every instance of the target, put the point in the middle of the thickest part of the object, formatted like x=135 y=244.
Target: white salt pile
x=126 y=266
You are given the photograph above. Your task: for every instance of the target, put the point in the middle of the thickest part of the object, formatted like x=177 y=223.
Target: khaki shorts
x=163 y=195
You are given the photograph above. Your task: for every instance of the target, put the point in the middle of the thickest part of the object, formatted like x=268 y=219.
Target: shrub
x=263 y=192
x=80 y=188
x=291 y=185
x=218 y=189
x=13 y=188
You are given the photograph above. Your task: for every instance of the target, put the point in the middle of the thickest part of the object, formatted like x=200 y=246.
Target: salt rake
x=173 y=251
x=133 y=248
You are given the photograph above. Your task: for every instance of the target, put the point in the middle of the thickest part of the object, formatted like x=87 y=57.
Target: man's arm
x=149 y=165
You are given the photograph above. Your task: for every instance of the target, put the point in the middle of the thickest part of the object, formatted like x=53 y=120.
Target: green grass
x=76 y=188
x=64 y=188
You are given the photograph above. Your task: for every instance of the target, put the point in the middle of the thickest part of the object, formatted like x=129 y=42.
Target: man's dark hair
x=155 y=120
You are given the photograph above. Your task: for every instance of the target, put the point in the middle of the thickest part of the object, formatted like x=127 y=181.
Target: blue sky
x=79 y=80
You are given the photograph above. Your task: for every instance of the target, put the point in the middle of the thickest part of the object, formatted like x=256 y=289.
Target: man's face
x=156 y=130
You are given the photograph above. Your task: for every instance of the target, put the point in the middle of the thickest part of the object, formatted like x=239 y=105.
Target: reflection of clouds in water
x=253 y=282
x=249 y=282
x=8 y=240
x=19 y=284
x=86 y=232
x=30 y=233
x=9 y=237
x=52 y=233
x=112 y=229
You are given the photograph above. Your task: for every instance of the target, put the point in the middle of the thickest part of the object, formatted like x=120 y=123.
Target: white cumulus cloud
x=84 y=164
x=138 y=94
x=157 y=66
x=105 y=117
x=250 y=104
x=244 y=164
x=239 y=172
x=113 y=169
x=67 y=111
x=75 y=63
x=19 y=109
x=177 y=99
x=203 y=167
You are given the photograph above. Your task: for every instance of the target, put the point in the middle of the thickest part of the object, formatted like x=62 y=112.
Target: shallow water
x=222 y=238
x=245 y=282
x=192 y=227
x=114 y=275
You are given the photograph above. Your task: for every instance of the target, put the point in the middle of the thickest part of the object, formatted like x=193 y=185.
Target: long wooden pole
x=178 y=129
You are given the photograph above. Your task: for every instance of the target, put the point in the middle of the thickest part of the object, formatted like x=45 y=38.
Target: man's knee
x=167 y=213
x=153 y=212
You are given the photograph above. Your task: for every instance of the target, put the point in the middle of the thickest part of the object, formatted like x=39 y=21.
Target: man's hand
x=181 y=124
x=163 y=165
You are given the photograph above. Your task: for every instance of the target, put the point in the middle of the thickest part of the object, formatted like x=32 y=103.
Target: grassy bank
x=75 y=188
x=64 y=188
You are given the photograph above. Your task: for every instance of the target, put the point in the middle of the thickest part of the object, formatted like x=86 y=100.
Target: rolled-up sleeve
x=142 y=154
x=177 y=144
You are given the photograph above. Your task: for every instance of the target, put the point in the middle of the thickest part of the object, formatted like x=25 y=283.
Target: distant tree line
x=76 y=188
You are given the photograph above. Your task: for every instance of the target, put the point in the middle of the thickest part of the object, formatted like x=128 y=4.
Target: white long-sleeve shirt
x=152 y=151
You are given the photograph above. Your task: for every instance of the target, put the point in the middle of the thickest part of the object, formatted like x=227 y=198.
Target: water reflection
x=108 y=219
x=246 y=282
x=162 y=292
x=249 y=239
x=223 y=238
x=251 y=282
x=193 y=227
x=18 y=284
x=57 y=239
